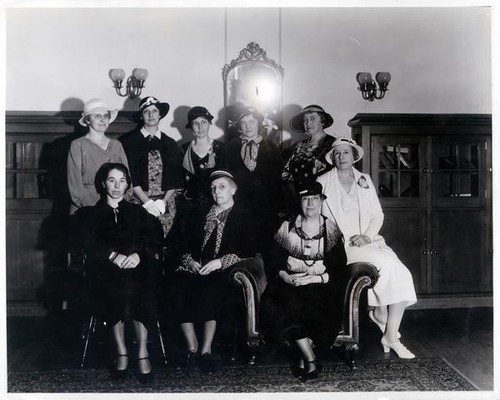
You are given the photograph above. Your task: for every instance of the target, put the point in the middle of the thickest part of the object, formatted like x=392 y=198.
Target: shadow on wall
x=179 y=121
x=59 y=282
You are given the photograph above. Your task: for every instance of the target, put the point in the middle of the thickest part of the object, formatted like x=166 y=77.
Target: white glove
x=151 y=208
x=160 y=205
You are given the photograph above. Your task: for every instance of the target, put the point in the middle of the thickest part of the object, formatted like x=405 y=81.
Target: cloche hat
x=94 y=106
x=297 y=123
x=198 y=111
x=358 y=150
x=311 y=188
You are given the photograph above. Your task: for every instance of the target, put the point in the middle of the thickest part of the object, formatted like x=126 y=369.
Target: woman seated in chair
x=123 y=245
x=353 y=203
x=219 y=236
x=303 y=301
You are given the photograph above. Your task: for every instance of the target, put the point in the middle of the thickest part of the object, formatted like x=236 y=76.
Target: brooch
x=362 y=183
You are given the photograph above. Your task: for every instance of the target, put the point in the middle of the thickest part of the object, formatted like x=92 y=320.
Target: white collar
x=147 y=134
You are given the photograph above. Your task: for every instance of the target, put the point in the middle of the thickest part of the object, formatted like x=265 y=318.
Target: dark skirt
x=199 y=298
x=124 y=295
x=292 y=313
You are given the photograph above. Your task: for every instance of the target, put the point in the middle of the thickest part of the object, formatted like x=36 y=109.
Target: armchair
x=361 y=276
x=251 y=277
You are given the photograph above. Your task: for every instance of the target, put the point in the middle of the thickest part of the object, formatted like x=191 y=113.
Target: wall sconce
x=135 y=82
x=368 y=86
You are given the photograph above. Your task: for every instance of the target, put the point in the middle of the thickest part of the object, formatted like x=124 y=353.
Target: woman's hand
x=359 y=240
x=286 y=277
x=194 y=267
x=304 y=279
x=210 y=267
x=131 y=261
x=296 y=265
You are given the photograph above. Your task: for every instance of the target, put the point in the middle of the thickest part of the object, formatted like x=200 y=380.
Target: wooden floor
x=463 y=337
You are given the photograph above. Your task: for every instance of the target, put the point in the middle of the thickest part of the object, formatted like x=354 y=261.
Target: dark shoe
x=298 y=370
x=310 y=373
x=144 y=377
x=119 y=374
x=207 y=363
x=191 y=358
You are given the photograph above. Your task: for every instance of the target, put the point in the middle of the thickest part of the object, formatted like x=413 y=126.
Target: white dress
x=395 y=283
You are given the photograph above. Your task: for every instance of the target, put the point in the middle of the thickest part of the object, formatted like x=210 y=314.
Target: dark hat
x=250 y=110
x=297 y=123
x=196 y=112
x=152 y=101
x=310 y=189
x=221 y=173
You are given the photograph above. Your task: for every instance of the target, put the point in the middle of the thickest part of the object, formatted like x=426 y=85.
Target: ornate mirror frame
x=254 y=80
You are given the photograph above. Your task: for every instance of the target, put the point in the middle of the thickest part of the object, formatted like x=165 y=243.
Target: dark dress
x=259 y=191
x=155 y=166
x=314 y=310
x=200 y=297
x=197 y=172
x=120 y=294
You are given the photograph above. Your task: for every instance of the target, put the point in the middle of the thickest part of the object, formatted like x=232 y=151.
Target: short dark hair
x=103 y=173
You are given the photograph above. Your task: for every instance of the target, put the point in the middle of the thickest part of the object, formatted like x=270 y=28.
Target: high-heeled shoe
x=298 y=370
x=144 y=377
x=119 y=373
x=380 y=325
x=398 y=348
x=309 y=375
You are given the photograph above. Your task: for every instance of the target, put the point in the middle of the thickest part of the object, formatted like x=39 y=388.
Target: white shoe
x=398 y=348
x=380 y=325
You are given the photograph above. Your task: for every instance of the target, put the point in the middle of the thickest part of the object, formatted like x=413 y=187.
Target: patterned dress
x=307 y=161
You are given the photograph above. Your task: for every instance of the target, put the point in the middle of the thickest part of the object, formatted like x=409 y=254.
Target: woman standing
x=307 y=160
x=201 y=156
x=123 y=245
x=307 y=273
x=353 y=203
x=155 y=164
x=88 y=153
x=256 y=165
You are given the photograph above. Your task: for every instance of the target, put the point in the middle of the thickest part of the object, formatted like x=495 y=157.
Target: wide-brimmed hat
x=311 y=188
x=95 y=106
x=344 y=141
x=196 y=112
x=221 y=173
x=297 y=123
x=152 y=101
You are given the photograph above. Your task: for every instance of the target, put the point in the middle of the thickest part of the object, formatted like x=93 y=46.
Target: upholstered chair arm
x=250 y=275
x=361 y=276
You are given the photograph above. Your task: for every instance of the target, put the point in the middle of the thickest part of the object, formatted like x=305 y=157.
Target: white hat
x=344 y=141
x=94 y=106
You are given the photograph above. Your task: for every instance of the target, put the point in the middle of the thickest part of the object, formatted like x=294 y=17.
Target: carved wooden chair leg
x=89 y=331
x=352 y=349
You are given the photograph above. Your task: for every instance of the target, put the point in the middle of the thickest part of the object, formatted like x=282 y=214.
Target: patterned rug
x=421 y=374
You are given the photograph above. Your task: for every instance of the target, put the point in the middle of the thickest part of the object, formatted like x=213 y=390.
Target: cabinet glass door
x=396 y=169
x=25 y=179
x=456 y=172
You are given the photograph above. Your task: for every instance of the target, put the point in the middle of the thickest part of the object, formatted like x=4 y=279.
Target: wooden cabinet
x=37 y=205
x=433 y=175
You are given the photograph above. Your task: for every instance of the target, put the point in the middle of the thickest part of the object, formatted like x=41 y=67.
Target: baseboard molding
x=452 y=302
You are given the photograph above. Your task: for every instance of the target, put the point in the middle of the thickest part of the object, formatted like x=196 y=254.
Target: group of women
x=231 y=202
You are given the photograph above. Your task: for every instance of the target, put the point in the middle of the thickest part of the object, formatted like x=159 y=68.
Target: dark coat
x=120 y=294
x=136 y=148
x=259 y=191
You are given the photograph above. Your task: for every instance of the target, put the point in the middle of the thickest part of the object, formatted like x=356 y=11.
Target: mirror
x=254 y=80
